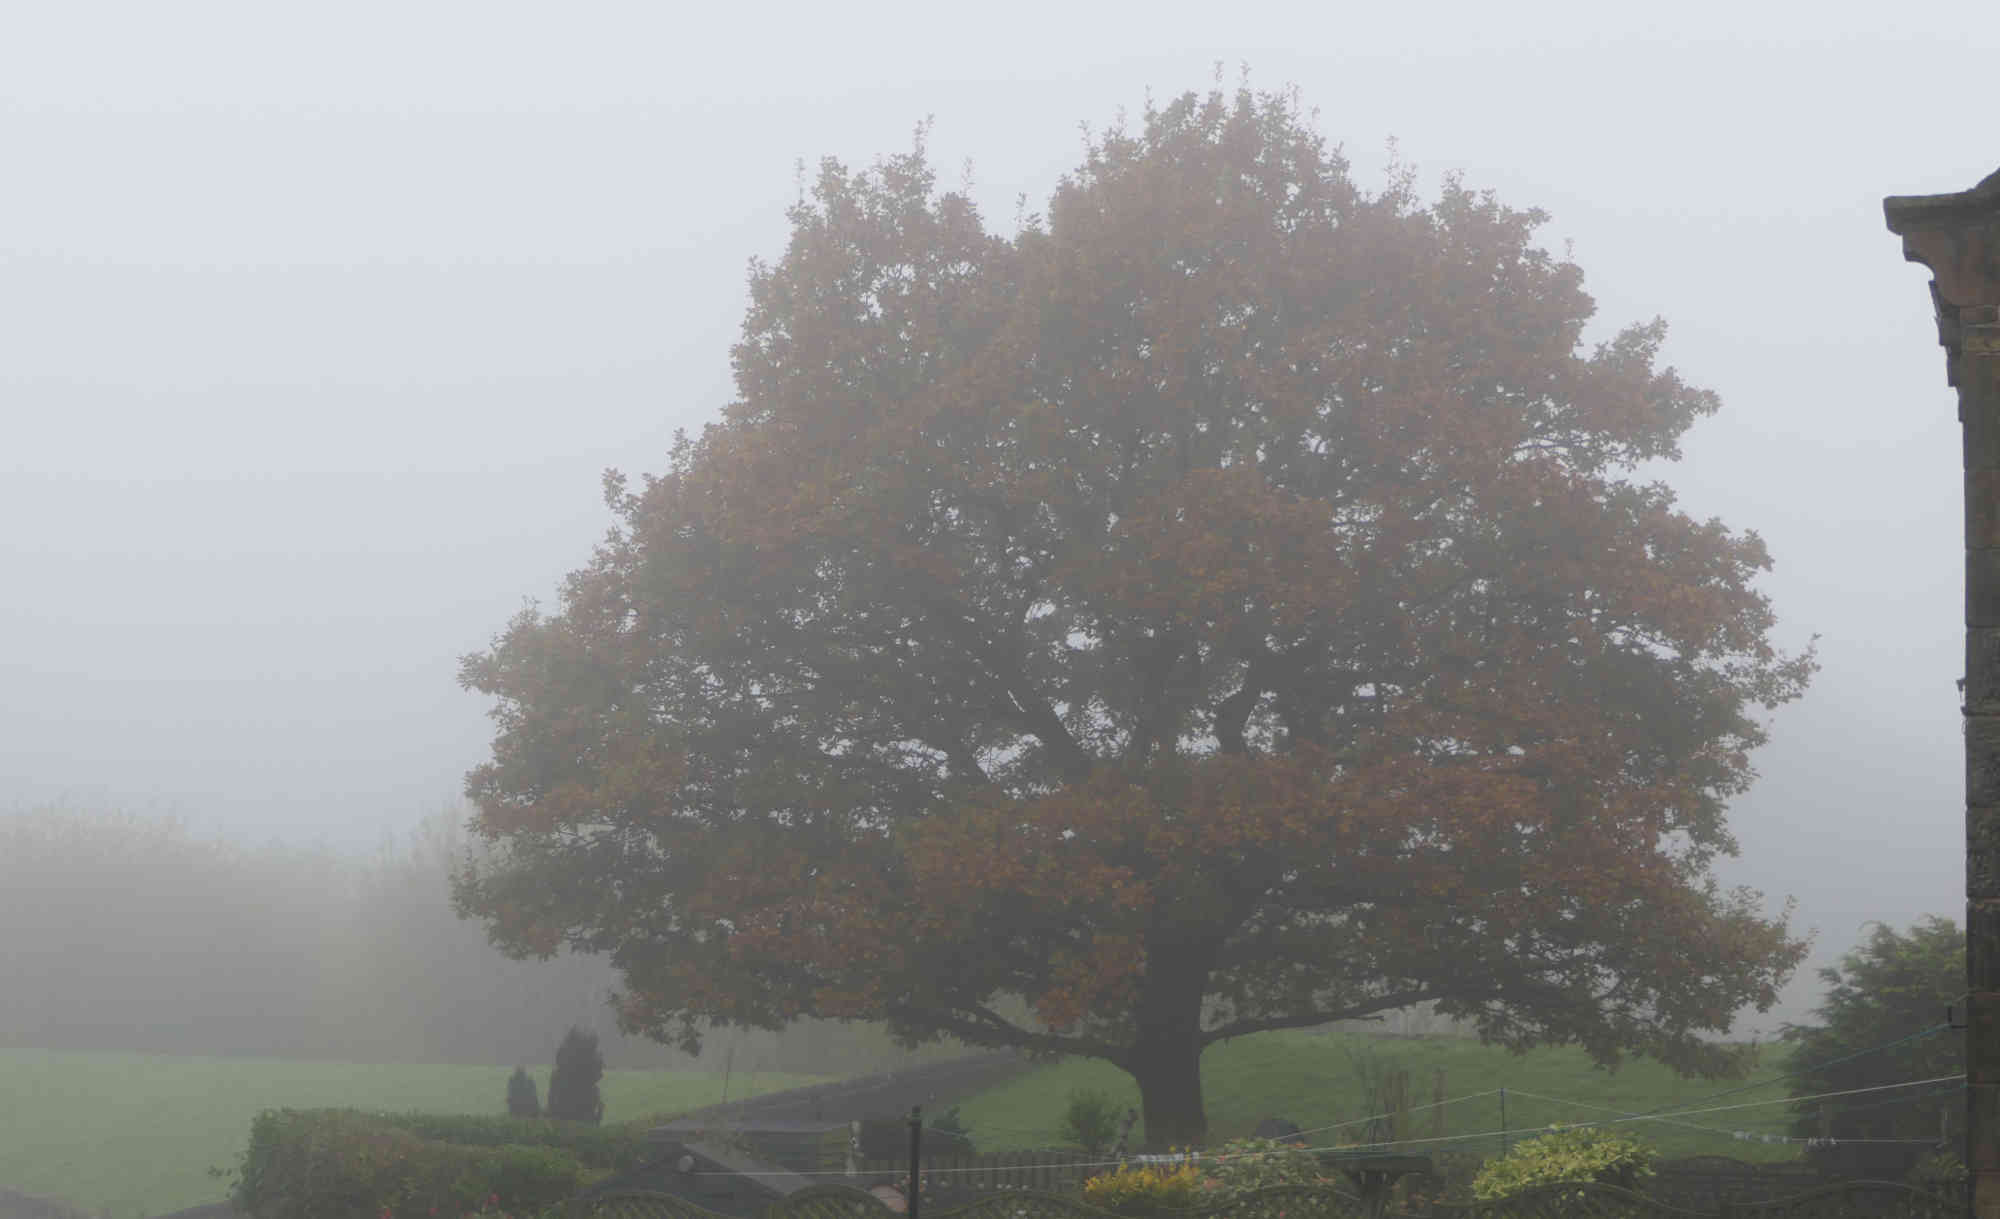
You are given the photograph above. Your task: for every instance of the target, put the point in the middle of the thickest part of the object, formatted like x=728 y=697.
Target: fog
x=140 y=934
x=316 y=330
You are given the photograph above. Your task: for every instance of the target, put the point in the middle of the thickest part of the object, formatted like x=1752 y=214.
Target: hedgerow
x=614 y=1148
x=338 y=1163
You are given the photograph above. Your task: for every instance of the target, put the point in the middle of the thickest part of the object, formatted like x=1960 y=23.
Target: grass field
x=131 y=1135
x=1310 y=1078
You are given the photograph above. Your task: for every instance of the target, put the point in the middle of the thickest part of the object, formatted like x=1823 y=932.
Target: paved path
x=16 y=1205
x=889 y=1094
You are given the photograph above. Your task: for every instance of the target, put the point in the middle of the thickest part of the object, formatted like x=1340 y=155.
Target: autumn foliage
x=1227 y=604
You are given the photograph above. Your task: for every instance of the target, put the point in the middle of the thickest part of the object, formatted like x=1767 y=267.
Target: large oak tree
x=1227 y=604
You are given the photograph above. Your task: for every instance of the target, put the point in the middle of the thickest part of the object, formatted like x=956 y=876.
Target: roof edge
x=1981 y=202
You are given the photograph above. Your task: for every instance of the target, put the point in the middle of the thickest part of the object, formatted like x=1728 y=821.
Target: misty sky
x=317 y=326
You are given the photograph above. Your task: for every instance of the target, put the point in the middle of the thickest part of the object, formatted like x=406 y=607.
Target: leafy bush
x=1449 y=1181
x=521 y=1098
x=1090 y=1120
x=951 y=1133
x=573 y=1083
x=1242 y=1165
x=1891 y=989
x=1940 y=1171
x=337 y=1163
x=614 y=1148
x=1143 y=1191
x=1582 y=1154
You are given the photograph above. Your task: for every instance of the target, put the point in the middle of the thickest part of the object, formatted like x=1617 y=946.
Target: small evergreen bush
x=521 y=1098
x=579 y=1066
x=949 y=1134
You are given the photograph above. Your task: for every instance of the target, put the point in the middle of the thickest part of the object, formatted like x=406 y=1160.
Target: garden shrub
x=1940 y=1172
x=1090 y=1120
x=1449 y=1180
x=573 y=1083
x=1144 y=1191
x=521 y=1098
x=1579 y=1154
x=614 y=1148
x=949 y=1134
x=338 y=1163
x=1242 y=1165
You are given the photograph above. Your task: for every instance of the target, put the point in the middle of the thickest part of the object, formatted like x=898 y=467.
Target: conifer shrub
x=573 y=1095
x=522 y=1100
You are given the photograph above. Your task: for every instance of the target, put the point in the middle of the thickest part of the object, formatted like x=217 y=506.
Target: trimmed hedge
x=341 y=1164
x=614 y=1148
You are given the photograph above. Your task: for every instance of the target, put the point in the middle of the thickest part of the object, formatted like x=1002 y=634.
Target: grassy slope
x=133 y=1135
x=1309 y=1078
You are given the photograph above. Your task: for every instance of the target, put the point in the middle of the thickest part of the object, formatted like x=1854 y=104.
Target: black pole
x=916 y=1159
x=1503 y=1122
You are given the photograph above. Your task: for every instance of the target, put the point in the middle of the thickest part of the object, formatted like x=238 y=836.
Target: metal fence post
x=916 y=1160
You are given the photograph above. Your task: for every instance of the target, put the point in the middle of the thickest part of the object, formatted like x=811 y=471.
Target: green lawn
x=1309 y=1078
x=133 y=1135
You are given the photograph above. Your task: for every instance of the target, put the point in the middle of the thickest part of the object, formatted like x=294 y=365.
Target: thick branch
x=964 y=763
x=1311 y=1019
x=1232 y=714
x=1026 y=707
x=981 y=1026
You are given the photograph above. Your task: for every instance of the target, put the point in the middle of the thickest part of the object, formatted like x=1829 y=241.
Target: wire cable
x=1781 y=1077
x=1362 y=1121
x=1358 y=1148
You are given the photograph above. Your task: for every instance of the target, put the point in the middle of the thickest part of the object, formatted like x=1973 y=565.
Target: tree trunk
x=1168 y=1071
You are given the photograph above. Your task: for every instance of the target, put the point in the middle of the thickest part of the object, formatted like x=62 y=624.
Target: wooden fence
x=1711 y=1183
x=1849 y=1200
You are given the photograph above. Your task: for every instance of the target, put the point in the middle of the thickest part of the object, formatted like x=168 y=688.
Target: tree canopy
x=1227 y=604
x=1884 y=1022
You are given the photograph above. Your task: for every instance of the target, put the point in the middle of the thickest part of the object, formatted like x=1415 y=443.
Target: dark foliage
x=949 y=1135
x=616 y=1147
x=522 y=1100
x=573 y=1083
x=337 y=1163
x=1893 y=988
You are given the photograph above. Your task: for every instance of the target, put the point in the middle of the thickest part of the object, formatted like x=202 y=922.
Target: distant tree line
x=129 y=932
